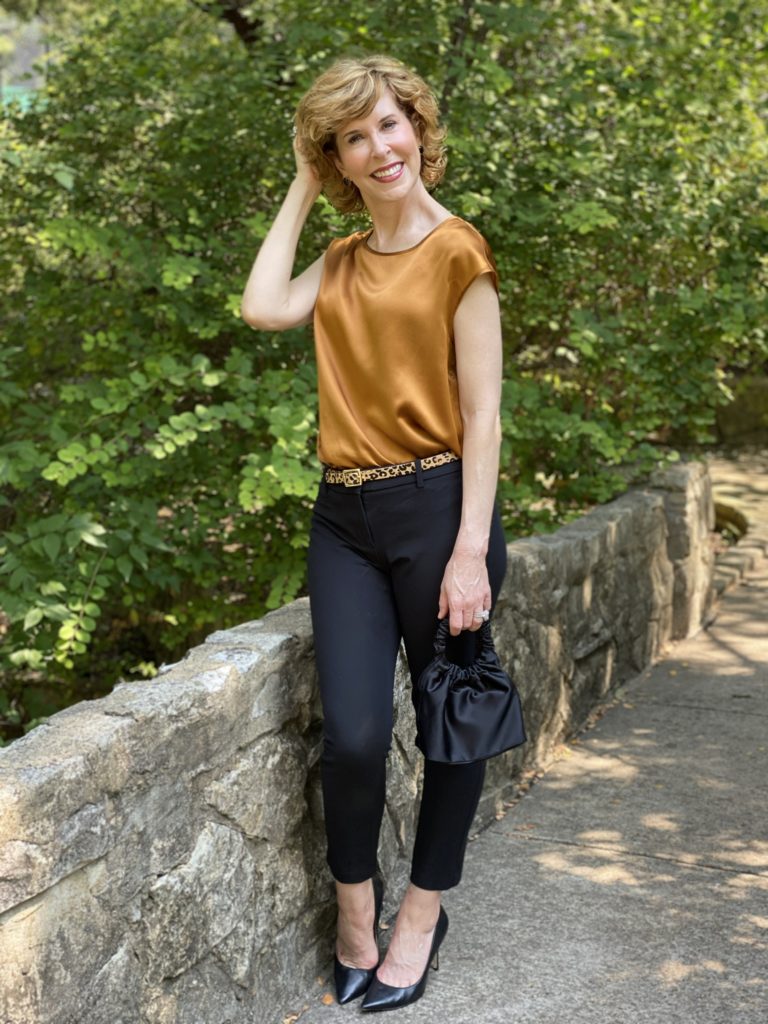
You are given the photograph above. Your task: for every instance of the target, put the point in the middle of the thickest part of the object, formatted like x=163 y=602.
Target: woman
x=404 y=530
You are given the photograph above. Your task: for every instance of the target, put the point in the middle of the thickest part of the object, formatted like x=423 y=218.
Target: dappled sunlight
x=636 y=739
x=713 y=656
x=725 y=659
x=586 y=762
x=631 y=856
x=689 y=860
x=600 y=836
x=661 y=822
x=708 y=782
x=747 y=628
x=604 y=874
x=648 y=823
x=640 y=739
x=752 y=853
x=752 y=931
x=734 y=671
x=747 y=881
x=747 y=940
x=598 y=744
x=672 y=972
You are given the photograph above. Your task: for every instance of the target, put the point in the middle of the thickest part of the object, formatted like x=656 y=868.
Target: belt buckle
x=352 y=477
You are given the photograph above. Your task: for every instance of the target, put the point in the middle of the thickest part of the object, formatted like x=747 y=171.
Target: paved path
x=630 y=885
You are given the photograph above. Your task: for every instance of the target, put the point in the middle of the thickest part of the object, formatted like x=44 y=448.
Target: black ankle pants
x=377 y=554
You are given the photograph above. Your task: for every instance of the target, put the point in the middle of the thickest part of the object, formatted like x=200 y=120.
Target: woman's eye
x=354 y=138
x=390 y=124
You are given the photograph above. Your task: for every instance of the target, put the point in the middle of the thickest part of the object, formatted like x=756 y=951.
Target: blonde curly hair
x=350 y=89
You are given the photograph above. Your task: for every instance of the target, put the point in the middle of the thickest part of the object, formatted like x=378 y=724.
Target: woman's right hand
x=305 y=172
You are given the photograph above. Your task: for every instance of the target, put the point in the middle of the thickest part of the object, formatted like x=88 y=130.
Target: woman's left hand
x=465 y=591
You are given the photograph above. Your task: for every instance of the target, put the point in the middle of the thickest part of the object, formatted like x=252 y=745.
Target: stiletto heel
x=436 y=962
x=351 y=982
x=386 y=997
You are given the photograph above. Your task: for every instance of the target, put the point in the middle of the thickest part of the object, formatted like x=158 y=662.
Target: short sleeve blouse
x=384 y=343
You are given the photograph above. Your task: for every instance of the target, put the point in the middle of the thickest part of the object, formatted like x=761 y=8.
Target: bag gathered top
x=466 y=713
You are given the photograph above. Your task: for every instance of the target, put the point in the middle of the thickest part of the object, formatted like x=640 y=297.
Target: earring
x=421 y=149
x=346 y=181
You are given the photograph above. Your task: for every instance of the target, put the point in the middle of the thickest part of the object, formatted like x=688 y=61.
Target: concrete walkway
x=630 y=884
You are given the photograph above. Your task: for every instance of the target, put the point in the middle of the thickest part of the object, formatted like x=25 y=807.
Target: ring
x=482 y=616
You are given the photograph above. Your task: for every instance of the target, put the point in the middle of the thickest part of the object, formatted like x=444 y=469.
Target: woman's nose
x=380 y=144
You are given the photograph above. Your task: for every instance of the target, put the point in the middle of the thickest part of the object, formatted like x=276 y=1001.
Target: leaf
x=33 y=617
x=139 y=555
x=50 y=587
x=52 y=545
x=64 y=177
x=19 y=577
x=26 y=656
x=91 y=537
x=125 y=567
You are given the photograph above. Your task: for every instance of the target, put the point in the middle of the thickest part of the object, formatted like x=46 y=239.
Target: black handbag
x=467 y=713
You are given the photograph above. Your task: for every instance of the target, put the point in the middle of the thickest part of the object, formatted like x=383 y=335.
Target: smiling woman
x=374 y=153
x=405 y=528
x=347 y=95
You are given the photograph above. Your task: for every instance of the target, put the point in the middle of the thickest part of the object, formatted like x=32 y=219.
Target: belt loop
x=419 y=474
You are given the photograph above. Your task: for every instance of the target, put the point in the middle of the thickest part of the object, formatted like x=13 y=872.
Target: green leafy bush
x=157 y=461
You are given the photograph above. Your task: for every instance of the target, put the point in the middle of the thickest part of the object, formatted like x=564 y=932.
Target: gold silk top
x=386 y=361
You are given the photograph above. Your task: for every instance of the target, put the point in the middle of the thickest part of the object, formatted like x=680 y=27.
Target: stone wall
x=162 y=850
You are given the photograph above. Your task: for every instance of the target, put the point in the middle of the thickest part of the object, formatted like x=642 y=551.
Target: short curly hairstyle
x=350 y=89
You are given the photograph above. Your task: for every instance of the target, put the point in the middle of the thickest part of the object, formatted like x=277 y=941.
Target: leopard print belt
x=355 y=477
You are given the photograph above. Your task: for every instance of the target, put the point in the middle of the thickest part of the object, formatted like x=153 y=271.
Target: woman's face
x=380 y=152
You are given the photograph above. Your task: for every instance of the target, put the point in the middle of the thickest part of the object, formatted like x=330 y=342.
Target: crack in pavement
x=629 y=853
x=717 y=709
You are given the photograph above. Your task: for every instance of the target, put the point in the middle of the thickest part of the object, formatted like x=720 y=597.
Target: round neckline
x=399 y=252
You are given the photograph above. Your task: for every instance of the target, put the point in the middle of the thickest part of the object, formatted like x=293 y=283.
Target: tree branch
x=231 y=12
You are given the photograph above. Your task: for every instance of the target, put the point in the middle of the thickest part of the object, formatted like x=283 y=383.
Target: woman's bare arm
x=272 y=301
x=477 y=329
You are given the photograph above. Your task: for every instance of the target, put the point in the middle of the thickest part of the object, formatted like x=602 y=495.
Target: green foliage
x=157 y=461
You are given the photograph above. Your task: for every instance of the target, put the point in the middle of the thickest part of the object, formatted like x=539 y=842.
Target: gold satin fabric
x=384 y=343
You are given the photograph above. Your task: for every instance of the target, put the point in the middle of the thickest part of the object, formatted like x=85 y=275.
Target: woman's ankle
x=421 y=904
x=355 y=899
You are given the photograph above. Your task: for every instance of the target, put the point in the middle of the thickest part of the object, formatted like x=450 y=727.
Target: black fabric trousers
x=377 y=554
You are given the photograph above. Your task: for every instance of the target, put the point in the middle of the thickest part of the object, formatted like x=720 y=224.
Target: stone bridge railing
x=162 y=850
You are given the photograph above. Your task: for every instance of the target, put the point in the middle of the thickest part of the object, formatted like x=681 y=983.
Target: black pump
x=385 y=997
x=351 y=982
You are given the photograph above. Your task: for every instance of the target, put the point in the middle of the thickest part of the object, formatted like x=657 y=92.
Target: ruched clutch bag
x=467 y=713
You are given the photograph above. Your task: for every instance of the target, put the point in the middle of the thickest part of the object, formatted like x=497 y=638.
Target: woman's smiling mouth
x=389 y=173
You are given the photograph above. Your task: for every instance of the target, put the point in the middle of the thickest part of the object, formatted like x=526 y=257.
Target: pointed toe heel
x=386 y=997
x=352 y=982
